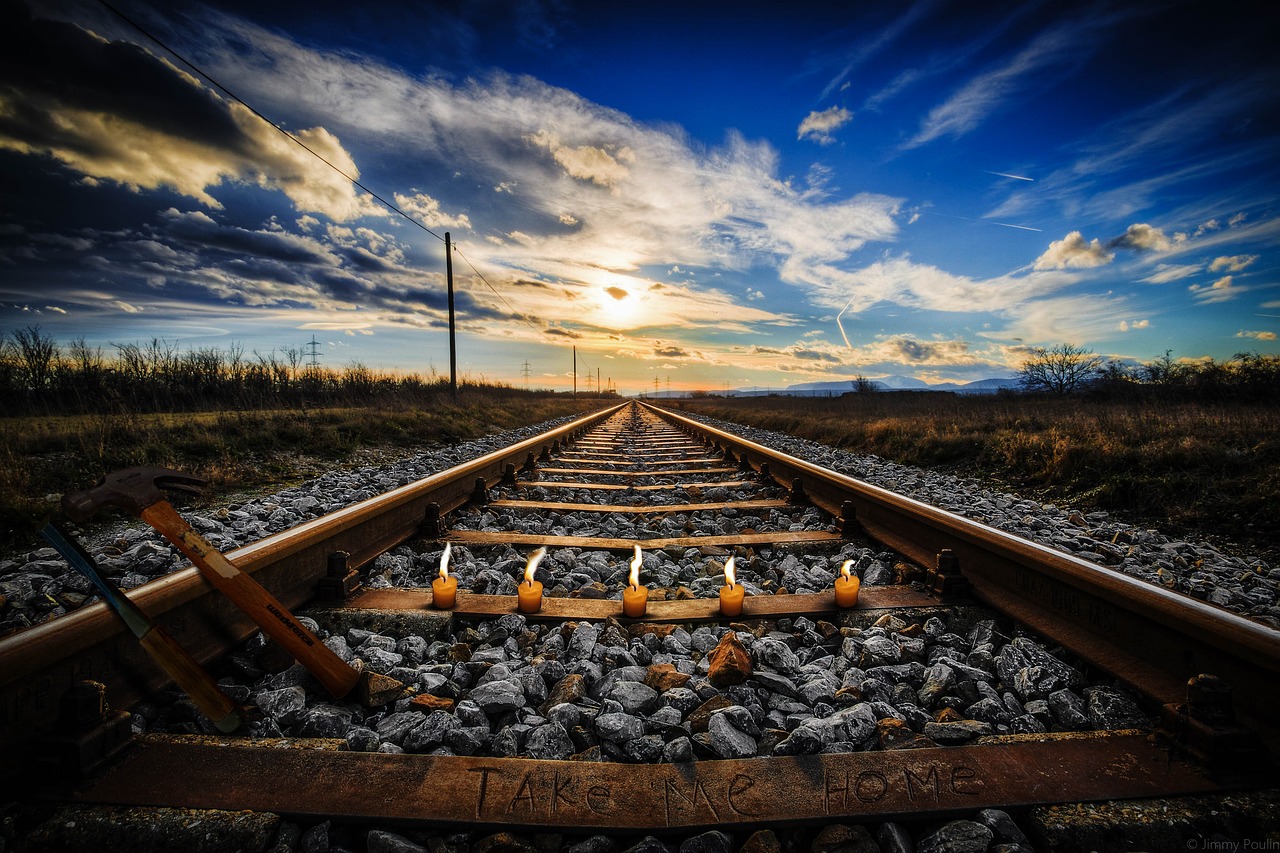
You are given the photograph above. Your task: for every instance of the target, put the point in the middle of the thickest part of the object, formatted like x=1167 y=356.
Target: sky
x=700 y=195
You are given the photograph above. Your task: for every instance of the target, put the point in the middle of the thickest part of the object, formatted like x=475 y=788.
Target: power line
x=392 y=207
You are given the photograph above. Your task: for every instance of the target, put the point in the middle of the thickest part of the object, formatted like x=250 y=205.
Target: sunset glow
x=760 y=196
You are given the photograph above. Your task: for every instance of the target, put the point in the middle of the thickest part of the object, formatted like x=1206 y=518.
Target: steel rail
x=1151 y=638
x=38 y=665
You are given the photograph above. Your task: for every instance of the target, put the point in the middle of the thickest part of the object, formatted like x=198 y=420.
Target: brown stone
x=762 y=841
x=664 y=676
x=838 y=838
x=913 y=630
x=947 y=715
x=591 y=753
x=730 y=663
x=826 y=629
x=571 y=688
x=503 y=842
x=684 y=594
x=662 y=631
x=700 y=717
x=459 y=653
x=895 y=734
x=426 y=702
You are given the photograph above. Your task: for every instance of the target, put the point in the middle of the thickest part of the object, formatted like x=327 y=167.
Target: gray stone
x=1068 y=710
x=550 y=741
x=1109 y=708
x=1001 y=826
x=381 y=841
x=583 y=640
x=808 y=738
x=431 y=732
x=285 y=706
x=594 y=844
x=498 y=697
x=678 y=751
x=892 y=838
x=634 y=697
x=727 y=740
x=648 y=844
x=958 y=836
x=776 y=655
x=961 y=731
x=713 y=841
x=325 y=721
x=619 y=727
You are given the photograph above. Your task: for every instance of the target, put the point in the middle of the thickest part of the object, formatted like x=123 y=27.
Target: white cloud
x=1166 y=273
x=1126 y=326
x=1259 y=336
x=1142 y=237
x=1231 y=263
x=821 y=126
x=427 y=210
x=1222 y=290
x=1073 y=252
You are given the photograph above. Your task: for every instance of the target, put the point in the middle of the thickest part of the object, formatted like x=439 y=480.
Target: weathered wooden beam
x=778 y=791
x=601 y=543
x=471 y=604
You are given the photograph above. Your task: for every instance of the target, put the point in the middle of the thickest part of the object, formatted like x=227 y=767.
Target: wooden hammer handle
x=192 y=678
x=246 y=593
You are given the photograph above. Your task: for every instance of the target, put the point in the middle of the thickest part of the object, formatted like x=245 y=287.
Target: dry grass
x=241 y=451
x=1207 y=471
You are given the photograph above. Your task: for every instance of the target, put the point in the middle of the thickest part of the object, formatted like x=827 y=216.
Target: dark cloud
x=564 y=333
x=203 y=231
x=759 y=350
x=50 y=65
x=671 y=352
x=616 y=292
x=815 y=355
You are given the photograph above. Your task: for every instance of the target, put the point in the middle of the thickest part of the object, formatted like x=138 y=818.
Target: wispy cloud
x=966 y=109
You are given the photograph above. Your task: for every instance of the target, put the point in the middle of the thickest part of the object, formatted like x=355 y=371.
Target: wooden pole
x=453 y=344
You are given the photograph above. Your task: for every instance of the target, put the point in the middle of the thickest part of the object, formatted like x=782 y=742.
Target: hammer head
x=130 y=489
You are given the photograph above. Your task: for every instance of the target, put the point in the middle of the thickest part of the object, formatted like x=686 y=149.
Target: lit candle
x=731 y=595
x=847 y=586
x=635 y=598
x=444 y=589
x=529 y=593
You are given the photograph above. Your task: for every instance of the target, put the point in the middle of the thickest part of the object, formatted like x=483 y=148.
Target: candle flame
x=729 y=574
x=846 y=570
x=635 y=570
x=444 y=560
x=532 y=565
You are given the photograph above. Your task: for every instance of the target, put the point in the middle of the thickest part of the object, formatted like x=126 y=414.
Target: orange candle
x=731 y=594
x=635 y=598
x=529 y=593
x=444 y=589
x=847 y=586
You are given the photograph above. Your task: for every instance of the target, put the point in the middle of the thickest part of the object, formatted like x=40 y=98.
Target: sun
x=617 y=306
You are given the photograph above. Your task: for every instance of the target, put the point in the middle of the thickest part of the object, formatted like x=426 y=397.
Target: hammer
x=138 y=492
x=173 y=658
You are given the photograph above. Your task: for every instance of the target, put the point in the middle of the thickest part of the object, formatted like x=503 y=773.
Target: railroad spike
x=480 y=494
x=432 y=523
x=340 y=581
x=945 y=579
x=1205 y=729
x=850 y=527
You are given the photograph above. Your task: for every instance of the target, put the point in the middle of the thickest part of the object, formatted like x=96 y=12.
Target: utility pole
x=575 y=370
x=453 y=344
x=599 y=392
x=655 y=386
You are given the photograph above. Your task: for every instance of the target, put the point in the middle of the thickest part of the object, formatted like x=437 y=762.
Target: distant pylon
x=526 y=374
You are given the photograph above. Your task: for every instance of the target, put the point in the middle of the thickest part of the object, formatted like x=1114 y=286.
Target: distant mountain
x=896 y=382
x=845 y=386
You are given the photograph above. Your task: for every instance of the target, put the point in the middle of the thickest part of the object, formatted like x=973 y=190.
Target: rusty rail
x=1151 y=638
x=38 y=665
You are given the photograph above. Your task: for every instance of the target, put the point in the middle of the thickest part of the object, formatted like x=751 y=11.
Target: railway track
x=1000 y=675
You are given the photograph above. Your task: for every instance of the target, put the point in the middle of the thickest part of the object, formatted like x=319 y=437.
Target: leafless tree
x=1061 y=370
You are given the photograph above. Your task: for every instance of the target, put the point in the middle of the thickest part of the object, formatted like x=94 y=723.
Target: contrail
x=1007 y=175
x=841 y=325
x=983 y=221
x=1023 y=227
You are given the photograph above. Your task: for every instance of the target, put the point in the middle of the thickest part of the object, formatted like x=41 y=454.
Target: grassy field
x=1189 y=469
x=237 y=451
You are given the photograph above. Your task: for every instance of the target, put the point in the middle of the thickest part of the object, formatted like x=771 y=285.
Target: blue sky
x=710 y=193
